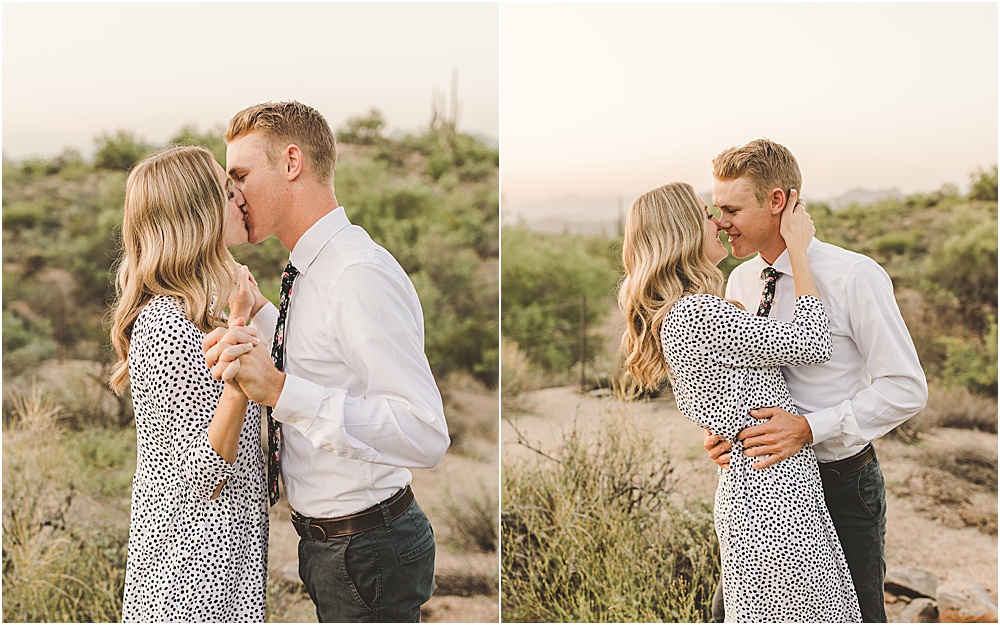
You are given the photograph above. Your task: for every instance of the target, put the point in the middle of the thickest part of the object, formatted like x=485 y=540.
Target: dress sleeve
x=711 y=345
x=744 y=340
x=186 y=398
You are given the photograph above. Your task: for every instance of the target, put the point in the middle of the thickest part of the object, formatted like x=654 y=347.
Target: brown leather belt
x=319 y=530
x=849 y=465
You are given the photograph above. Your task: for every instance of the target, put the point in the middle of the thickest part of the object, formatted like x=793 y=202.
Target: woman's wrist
x=232 y=393
x=259 y=301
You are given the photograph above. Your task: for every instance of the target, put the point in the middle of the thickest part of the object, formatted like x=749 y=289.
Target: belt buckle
x=312 y=535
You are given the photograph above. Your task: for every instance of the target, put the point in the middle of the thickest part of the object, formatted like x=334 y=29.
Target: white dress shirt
x=360 y=404
x=874 y=381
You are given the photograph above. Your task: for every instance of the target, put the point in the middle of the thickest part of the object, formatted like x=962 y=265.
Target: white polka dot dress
x=190 y=558
x=781 y=559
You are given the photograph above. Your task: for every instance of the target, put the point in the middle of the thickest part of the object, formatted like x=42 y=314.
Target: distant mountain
x=862 y=197
x=573 y=214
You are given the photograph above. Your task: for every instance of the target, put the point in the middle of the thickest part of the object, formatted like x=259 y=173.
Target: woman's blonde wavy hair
x=172 y=243
x=664 y=259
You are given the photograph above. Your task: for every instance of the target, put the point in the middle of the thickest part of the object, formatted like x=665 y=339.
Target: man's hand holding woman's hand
x=223 y=347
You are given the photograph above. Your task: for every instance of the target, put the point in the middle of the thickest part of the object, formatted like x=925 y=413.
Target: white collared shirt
x=360 y=404
x=874 y=381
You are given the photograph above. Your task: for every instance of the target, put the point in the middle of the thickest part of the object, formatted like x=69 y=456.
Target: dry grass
x=472 y=519
x=471 y=411
x=517 y=377
x=592 y=534
x=950 y=408
x=54 y=567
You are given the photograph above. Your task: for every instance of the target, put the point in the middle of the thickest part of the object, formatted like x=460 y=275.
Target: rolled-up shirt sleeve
x=394 y=414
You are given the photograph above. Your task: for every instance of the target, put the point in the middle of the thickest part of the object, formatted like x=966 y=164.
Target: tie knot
x=771 y=273
x=290 y=272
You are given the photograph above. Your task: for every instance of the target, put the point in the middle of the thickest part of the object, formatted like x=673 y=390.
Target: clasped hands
x=233 y=355
x=782 y=435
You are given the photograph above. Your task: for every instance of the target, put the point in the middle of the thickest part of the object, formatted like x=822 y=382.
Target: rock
x=911 y=582
x=963 y=600
x=922 y=610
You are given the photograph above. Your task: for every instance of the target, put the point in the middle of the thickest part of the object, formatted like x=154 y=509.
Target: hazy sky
x=71 y=71
x=605 y=99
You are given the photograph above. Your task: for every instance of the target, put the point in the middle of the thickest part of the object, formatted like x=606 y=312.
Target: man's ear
x=293 y=162
x=776 y=201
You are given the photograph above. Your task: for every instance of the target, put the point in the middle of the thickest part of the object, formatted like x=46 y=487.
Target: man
x=354 y=401
x=872 y=383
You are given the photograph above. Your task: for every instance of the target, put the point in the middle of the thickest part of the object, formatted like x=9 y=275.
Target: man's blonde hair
x=766 y=164
x=284 y=123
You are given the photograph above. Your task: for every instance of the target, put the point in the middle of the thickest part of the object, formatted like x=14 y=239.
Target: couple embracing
x=793 y=368
x=338 y=366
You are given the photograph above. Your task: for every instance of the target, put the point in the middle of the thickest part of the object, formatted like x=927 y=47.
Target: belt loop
x=386 y=516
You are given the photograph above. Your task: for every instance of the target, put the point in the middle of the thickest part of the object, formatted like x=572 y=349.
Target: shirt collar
x=783 y=263
x=316 y=237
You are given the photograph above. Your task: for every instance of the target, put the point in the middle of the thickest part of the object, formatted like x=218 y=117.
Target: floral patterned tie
x=771 y=276
x=278 y=355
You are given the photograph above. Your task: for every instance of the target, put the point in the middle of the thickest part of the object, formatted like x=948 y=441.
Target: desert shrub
x=971 y=364
x=544 y=277
x=472 y=518
x=120 y=151
x=967 y=267
x=591 y=534
x=211 y=139
x=517 y=376
x=54 y=567
x=363 y=129
x=984 y=185
x=972 y=466
x=951 y=407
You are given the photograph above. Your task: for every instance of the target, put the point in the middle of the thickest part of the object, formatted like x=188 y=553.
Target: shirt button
x=329 y=447
x=292 y=420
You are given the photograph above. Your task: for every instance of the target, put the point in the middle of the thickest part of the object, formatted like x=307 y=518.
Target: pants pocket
x=418 y=548
x=362 y=570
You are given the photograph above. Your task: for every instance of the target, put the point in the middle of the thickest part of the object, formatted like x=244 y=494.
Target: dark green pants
x=380 y=576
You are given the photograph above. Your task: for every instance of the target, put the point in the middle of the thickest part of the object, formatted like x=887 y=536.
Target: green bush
x=592 y=535
x=984 y=185
x=544 y=277
x=120 y=151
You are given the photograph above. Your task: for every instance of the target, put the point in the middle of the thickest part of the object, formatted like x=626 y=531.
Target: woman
x=198 y=540
x=781 y=559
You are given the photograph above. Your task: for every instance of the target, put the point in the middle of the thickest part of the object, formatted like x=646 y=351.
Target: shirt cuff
x=825 y=424
x=266 y=320
x=298 y=403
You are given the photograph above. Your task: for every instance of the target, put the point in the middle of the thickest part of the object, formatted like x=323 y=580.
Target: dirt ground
x=919 y=532
x=466 y=582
